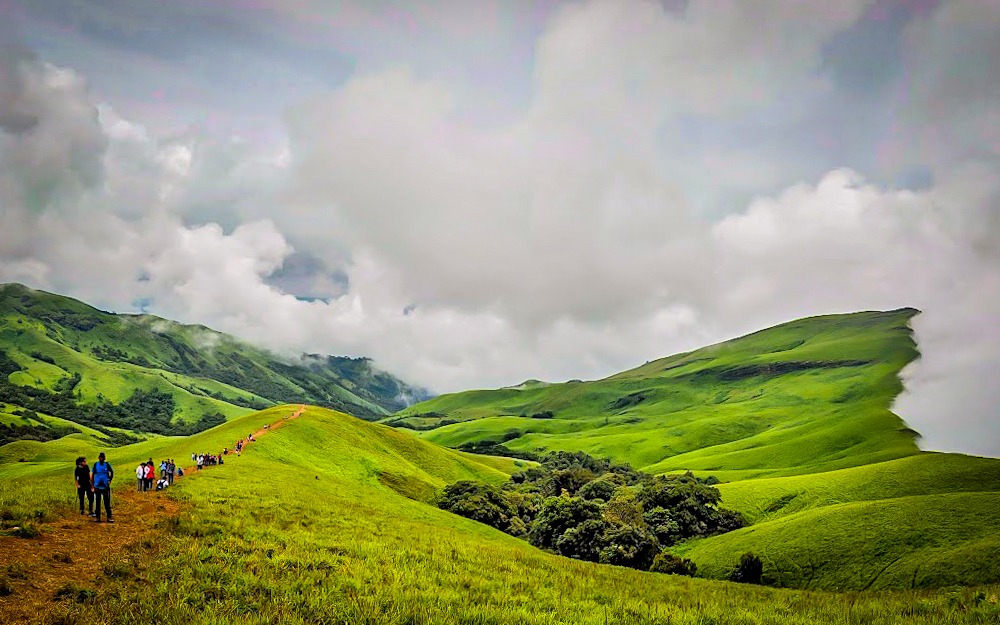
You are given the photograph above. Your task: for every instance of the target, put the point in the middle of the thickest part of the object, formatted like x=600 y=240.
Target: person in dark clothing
x=101 y=477
x=83 y=486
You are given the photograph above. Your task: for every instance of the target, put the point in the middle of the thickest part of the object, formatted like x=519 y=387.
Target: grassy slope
x=839 y=493
x=802 y=397
x=193 y=363
x=264 y=540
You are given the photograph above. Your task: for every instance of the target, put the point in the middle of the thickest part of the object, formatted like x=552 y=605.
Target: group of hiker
x=145 y=475
x=207 y=460
x=94 y=483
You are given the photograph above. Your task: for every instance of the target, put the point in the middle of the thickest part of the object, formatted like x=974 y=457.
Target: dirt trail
x=72 y=548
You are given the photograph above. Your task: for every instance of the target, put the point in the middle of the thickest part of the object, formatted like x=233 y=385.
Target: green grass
x=262 y=540
x=806 y=396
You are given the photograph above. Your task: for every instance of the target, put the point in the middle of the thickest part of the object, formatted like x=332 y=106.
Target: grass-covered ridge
x=303 y=528
x=805 y=396
x=50 y=344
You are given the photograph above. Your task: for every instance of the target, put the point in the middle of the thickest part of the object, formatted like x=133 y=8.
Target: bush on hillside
x=602 y=488
x=479 y=502
x=633 y=546
x=584 y=541
x=558 y=515
x=666 y=562
x=750 y=570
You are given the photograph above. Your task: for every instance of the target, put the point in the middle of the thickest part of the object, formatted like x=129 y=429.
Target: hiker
x=161 y=483
x=146 y=470
x=201 y=461
x=163 y=469
x=101 y=476
x=83 y=486
x=171 y=468
x=150 y=474
x=140 y=477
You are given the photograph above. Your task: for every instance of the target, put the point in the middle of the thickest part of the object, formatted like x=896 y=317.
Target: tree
x=479 y=502
x=559 y=514
x=603 y=488
x=750 y=570
x=629 y=545
x=584 y=541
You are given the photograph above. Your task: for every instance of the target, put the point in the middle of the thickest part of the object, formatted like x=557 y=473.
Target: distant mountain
x=64 y=361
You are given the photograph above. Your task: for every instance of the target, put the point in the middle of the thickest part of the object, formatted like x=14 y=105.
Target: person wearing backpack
x=101 y=477
x=83 y=487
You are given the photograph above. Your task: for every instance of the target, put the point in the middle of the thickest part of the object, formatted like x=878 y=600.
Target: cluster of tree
x=43 y=358
x=592 y=509
x=493 y=448
x=402 y=422
x=113 y=354
x=34 y=432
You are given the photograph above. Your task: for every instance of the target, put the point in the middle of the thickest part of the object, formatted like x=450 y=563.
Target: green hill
x=324 y=521
x=797 y=421
x=809 y=395
x=62 y=358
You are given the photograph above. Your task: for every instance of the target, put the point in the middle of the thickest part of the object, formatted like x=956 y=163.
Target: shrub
x=479 y=502
x=663 y=525
x=727 y=521
x=749 y=570
x=629 y=545
x=666 y=562
x=603 y=488
x=584 y=541
x=559 y=514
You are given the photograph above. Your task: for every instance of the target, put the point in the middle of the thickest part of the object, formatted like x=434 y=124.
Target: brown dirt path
x=73 y=547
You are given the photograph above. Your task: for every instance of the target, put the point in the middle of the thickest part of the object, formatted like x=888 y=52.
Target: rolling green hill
x=324 y=520
x=797 y=421
x=62 y=358
x=805 y=396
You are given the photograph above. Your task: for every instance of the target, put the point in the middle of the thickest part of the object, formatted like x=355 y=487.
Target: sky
x=477 y=193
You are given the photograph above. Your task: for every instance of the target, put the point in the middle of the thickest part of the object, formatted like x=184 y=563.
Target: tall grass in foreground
x=300 y=531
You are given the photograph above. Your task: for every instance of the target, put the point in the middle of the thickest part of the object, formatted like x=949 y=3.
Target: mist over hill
x=66 y=360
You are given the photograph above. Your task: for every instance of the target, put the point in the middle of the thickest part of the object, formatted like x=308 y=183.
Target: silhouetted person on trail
x=83 y=485
x=101 y=477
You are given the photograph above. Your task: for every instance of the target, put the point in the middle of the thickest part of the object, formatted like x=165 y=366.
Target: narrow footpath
x=73 y=548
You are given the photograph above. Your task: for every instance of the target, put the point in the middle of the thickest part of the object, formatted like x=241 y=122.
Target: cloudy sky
x=475 y=193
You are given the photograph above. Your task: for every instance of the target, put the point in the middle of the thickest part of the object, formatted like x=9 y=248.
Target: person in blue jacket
x=102 y=475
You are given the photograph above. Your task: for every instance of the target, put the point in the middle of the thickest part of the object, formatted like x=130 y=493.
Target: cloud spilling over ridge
x=567 y=242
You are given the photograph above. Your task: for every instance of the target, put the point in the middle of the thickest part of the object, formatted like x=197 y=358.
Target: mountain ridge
x=58 y=348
